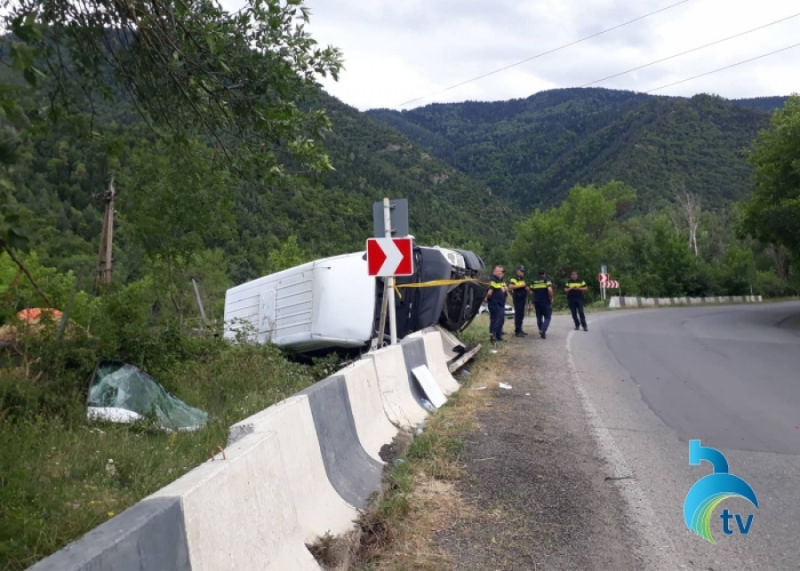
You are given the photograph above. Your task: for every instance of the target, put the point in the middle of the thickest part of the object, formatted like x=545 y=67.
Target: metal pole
x=387 y=225
x=379 y=340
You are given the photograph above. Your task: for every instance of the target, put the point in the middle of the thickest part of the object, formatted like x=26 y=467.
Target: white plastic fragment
x=113 y=414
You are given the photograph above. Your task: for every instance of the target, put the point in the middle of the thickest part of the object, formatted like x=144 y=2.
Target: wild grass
x=61 y=475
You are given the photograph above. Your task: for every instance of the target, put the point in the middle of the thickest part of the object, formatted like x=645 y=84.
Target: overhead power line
x=698 y=48
x=548 y=52
x=723 y=68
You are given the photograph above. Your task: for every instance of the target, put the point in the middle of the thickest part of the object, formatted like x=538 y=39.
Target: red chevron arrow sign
x=388 y=257
x=607 y=282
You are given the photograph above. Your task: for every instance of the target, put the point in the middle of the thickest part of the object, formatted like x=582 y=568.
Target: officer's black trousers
x=544 y=311
x=519 y=314
x=496 y=317
x=576 y=307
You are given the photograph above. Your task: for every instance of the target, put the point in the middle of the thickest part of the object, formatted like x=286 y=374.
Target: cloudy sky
x=397 y=50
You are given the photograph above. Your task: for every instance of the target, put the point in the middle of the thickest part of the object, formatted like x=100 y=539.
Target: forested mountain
x=62 y=171
x=768 y=104
x=532 y=151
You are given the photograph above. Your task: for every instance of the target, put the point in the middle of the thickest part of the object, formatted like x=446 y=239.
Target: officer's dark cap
x=541 y=271
x=520 y=268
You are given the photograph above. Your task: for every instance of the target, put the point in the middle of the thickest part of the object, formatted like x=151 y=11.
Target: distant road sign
x=390 y=257
x=611 y=284
x=399 y=214
x=602 y=278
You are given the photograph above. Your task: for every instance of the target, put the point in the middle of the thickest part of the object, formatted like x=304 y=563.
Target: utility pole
x=105 y=252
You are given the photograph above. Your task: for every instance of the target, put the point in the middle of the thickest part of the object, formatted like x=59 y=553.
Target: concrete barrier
x=240 y=512
x=400 y=403
x=351 y=471
x=372 y=425
x=320 y=508
x=416 y=358
x=221 y=515
x=617 y=302
x=435 y=359
x=452 y=347
x=148 y=535
x=456 y=353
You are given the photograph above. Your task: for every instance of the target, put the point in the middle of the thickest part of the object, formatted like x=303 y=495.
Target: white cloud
x=401 y=50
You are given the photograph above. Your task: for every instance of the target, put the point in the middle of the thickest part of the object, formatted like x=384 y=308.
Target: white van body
x=324 y=303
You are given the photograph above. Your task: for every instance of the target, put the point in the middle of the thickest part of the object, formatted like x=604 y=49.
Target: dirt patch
x=534 y=482
x=391 y=452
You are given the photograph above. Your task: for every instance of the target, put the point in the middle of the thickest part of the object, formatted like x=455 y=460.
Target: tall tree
x=773 y=213
x=692 y=211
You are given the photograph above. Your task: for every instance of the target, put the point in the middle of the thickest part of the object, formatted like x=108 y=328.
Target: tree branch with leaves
x=240 y=79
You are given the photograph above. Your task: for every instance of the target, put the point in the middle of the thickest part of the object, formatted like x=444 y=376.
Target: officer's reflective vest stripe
x=541 y=284
x=497 y=285
x=576 y=284
x=515 y=281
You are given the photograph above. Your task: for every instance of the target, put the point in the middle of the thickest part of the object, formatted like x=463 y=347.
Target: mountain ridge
x=532 y=150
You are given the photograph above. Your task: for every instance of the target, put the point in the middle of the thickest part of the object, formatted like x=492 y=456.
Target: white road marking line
x=641 y=512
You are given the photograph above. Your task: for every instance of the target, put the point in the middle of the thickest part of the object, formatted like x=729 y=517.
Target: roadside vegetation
x=61 y=474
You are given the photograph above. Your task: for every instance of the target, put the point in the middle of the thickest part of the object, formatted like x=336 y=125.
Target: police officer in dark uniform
x=496 y=300
x=520 y=292
x=542 y=301
x=574 y=290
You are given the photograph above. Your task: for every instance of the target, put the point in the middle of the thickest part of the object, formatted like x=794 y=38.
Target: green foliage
x=49 y=445
x=571 y=237
x=288 y=255
x=175 y=201
x=649 y=255
x=16 y=292
x=238 y=78
x=773 y=213
x=532 y=151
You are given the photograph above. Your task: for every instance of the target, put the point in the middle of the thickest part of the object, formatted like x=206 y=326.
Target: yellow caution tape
x=436 y=283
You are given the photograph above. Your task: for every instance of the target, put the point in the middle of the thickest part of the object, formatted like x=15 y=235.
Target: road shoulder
x=537 y=487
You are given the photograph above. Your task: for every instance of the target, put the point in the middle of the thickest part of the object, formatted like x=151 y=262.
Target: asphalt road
x=651 y=380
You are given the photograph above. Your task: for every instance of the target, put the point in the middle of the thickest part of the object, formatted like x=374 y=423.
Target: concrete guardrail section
x=291 y=473
x=617 y=302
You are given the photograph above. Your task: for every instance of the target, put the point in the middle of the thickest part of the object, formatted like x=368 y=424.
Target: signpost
x=603 y=277
x=390 y=254
x=398 y=224
x=606 y=282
